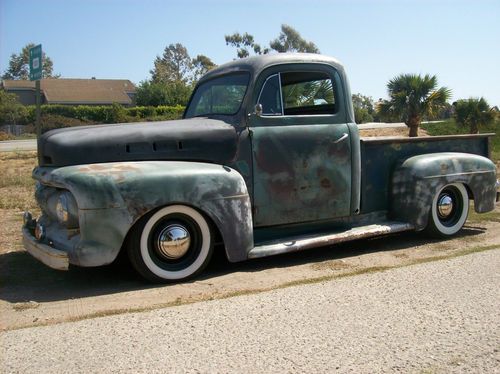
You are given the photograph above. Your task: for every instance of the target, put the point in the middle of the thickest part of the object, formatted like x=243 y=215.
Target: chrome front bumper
x=54 y=258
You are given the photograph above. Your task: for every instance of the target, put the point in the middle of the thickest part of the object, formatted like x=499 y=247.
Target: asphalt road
x=438 y=317
x=18 y=145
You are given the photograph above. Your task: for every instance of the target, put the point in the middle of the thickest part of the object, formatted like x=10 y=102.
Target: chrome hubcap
x=174 y=241
x=445 y=206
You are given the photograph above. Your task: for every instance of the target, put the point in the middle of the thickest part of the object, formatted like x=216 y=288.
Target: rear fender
x=416 y=181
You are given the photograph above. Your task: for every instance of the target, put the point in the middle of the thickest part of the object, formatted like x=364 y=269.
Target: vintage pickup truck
x=266 y=160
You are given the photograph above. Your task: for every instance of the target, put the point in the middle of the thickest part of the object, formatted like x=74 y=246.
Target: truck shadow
x=25 y=279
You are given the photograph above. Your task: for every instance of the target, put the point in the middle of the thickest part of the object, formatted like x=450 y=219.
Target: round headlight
x=62 y=208
x=67 y=210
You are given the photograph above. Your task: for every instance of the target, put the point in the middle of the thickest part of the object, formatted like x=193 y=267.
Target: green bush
x=450 y=127
x=110 y=113
x=163 y=93
x=56 y=121
x=11 y=111
x=170 y=112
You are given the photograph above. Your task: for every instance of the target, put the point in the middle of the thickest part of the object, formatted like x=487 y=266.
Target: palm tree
x=473 y=112
x=412 y=97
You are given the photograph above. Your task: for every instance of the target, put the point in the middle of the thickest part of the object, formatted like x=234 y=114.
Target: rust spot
x=325 y=183
x=137 y=211
x=271 y=160
x=108 y=168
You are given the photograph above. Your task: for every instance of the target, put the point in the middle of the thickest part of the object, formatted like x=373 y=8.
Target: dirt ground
x=32 y=294
x=390 y=132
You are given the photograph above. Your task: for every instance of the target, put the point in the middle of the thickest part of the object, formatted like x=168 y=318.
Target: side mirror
x=258 y=110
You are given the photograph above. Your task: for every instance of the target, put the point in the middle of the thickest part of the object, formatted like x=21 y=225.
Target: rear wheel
x=449 y=210
x=173 y=243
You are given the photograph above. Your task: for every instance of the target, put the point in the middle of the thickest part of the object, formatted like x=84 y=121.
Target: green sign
x=36 y=63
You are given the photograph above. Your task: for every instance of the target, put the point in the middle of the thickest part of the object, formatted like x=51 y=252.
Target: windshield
x=221 y=95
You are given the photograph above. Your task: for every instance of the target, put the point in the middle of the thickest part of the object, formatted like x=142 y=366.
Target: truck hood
x=196 y=139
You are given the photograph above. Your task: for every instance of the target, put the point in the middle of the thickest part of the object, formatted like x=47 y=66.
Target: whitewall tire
x=449 y=211
x=173 y=243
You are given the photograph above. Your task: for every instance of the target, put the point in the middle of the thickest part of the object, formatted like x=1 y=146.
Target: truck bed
x=380 y=155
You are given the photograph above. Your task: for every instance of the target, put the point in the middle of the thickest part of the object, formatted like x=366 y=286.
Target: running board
x=307 y=242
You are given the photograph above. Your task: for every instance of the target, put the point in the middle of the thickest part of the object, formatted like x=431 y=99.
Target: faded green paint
x=303 y=175
x=302 y=165
x=122 y=192
x=300 y=173
x=380 y=156
x=418 y=179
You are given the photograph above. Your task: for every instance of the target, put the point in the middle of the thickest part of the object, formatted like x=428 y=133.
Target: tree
x=173 y=77
x=201 y=65
x=12 y=112
x=289 y=40
x=473 y=113
x=151 y=93
x=412 y=97
x=19 y=65
x=243 y=43
x=174 y=65
x=364 y=110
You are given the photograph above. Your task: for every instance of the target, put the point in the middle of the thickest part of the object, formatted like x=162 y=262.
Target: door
x=301 y=148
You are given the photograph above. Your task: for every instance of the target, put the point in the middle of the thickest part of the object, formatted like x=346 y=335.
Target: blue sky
x=459 y=41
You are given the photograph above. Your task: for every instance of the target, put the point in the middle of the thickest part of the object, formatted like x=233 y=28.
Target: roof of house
x=79 y=91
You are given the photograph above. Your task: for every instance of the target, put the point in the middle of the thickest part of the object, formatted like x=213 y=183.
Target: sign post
x=36 y=64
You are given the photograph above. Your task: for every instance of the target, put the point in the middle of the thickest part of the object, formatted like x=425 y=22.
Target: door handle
x=343 y=137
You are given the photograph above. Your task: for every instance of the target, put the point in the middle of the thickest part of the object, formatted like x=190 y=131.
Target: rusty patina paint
x=109 y=207
x=301 y=171
x=380 y=157
x=417 y=180
x=301 y=174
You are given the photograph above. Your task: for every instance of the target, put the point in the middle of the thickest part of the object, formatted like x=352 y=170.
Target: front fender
x=416 y=181
x=135 y=188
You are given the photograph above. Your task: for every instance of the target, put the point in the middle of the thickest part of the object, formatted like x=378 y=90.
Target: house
x=74 y=91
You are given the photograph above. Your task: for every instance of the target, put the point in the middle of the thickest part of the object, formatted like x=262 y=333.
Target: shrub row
x=109 y=114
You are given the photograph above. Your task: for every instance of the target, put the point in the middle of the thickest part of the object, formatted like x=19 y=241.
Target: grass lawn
x=450 y=127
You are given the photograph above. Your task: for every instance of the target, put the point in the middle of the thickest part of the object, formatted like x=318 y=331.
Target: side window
x=270 y=97
x=298 y=93
x=308 y=93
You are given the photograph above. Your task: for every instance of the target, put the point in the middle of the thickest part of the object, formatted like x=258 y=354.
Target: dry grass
x=11 y=222
x=403 y=131
x=16 y=184
x=16 y=195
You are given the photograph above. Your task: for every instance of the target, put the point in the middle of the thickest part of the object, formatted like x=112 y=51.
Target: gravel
x=431 y=318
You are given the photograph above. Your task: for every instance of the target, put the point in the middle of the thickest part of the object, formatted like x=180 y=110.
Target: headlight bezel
x=66 y=209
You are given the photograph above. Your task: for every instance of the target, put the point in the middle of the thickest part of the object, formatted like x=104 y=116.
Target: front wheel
x=174 y=243
x=450 y=207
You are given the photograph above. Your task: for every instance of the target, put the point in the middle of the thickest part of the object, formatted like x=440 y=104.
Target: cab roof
x=256 y=64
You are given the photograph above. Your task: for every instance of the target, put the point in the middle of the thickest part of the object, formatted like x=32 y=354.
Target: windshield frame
x=204 y=81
